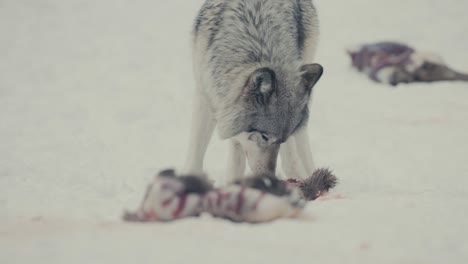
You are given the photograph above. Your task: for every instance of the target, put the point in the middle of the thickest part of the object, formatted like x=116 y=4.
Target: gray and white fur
x=254 y=70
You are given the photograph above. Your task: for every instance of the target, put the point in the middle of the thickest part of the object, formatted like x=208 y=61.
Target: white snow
x=95 y=99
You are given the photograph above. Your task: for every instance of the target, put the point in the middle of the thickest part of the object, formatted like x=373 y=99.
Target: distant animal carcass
x=394 y=63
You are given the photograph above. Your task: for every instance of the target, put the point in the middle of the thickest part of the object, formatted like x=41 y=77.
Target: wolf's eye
x=264 y=136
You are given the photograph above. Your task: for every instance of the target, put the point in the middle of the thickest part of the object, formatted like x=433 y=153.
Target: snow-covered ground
x=95 y=99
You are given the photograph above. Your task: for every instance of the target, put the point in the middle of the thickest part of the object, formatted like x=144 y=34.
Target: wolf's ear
x=311 y=73
x=260 y=85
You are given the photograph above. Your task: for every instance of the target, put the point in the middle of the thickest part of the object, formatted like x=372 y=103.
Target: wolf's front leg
x=304 y=151
x=201 y=131
x=291 y=163
x=236 y=161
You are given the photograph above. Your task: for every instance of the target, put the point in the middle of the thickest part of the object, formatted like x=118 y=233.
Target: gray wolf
x=254 y=71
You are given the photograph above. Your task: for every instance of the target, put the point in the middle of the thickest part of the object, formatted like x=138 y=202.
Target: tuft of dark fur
x=169 y=173
x=268 y=183
x=321 y=181
x=192 y=183
x=196 y=184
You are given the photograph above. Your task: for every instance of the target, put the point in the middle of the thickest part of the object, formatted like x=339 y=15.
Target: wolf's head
x=271 y=107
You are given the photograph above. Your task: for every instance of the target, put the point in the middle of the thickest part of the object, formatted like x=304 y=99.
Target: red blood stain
x=240 y=200
x=326 y=197
x=167 y=202
x=364 y=246
x=180 y=206
x=150 y=215
x=219 y=198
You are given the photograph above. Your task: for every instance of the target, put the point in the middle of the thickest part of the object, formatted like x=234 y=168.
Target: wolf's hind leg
x=202 y=126
x=236 y=161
